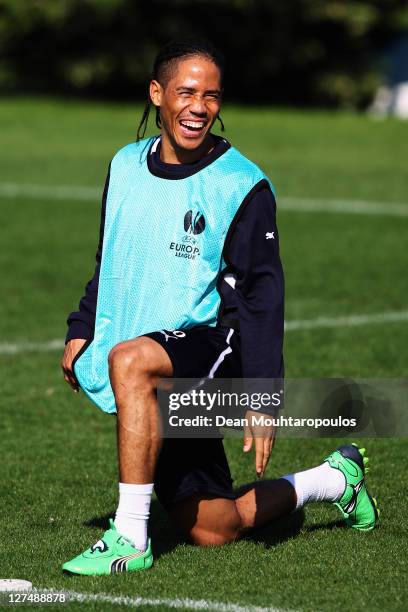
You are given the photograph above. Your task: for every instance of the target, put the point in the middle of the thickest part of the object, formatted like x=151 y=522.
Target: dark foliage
x=296 y=52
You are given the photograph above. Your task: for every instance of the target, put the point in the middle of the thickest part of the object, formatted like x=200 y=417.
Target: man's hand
x=72 y=348
x=264 y=440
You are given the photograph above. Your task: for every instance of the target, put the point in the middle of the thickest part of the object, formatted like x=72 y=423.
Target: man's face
x=189 y=102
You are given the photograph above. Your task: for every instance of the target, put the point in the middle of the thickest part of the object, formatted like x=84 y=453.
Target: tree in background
x=307 y=52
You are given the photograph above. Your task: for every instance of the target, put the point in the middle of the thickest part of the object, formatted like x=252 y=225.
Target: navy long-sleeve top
x=252 y=289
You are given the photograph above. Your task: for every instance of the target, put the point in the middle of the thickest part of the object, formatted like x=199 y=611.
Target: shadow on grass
x=278 y=531
x=339 y=524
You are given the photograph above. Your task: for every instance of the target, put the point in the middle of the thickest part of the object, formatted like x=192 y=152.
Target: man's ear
x=156 y=92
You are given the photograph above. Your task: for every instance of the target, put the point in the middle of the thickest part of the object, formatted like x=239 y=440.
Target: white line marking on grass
x=87 y=194
x=49 y=192
x=353 y=207
x=350 y=321
x=181 y=604
x=10 y=348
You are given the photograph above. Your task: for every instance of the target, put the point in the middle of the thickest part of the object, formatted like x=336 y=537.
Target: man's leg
x=340 y=479
x=134 y=368
x=210 y=521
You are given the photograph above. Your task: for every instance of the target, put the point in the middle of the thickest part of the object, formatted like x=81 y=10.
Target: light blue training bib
x=161 y=254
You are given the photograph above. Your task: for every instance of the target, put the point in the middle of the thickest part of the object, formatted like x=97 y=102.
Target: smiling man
x=188 y=284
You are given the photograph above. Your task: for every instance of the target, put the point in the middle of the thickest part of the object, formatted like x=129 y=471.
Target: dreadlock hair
x=165 y=64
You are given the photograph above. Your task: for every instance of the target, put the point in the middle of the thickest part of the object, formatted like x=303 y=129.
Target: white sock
x=133 y=512
x=322 y=483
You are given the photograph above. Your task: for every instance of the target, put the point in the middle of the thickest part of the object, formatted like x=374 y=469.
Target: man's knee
x=205 y=537
x=208 y=521
x=134 y=358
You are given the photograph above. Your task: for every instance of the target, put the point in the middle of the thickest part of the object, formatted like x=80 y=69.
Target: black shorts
x=187 y=466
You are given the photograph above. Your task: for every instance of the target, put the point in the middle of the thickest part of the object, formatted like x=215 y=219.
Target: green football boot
x=111 y=554
x=356 y=504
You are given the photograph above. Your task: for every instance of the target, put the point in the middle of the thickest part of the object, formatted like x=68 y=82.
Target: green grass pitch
x=58 y=459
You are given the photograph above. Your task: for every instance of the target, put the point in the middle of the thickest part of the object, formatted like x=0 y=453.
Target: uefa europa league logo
x=194 y=224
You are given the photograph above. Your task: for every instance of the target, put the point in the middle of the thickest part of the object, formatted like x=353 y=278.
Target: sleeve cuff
x=78 y=329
